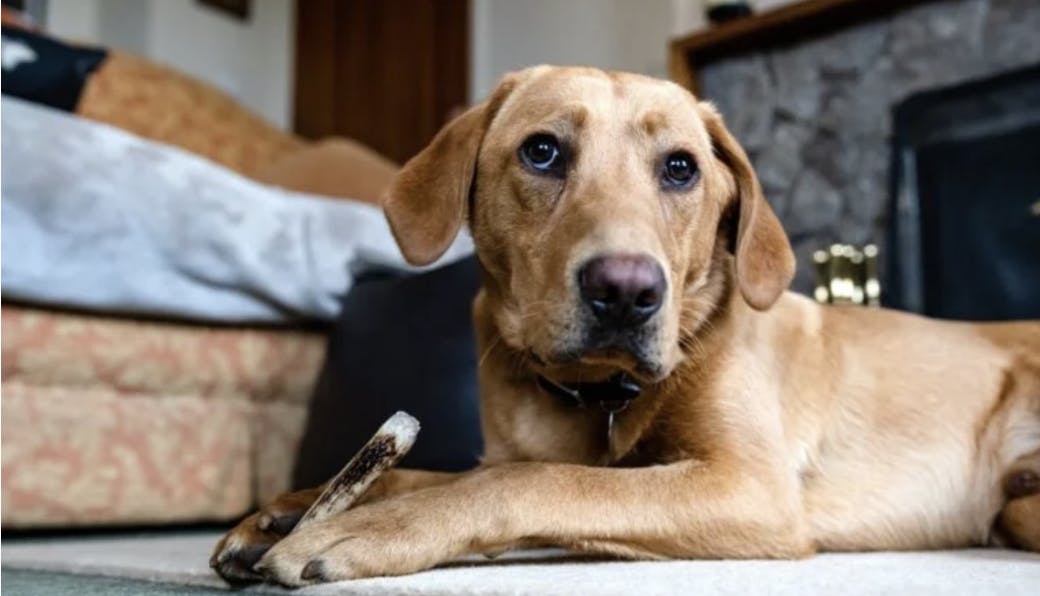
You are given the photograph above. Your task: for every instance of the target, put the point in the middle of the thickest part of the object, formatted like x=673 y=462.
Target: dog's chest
x=527 y=425
x=530 y=425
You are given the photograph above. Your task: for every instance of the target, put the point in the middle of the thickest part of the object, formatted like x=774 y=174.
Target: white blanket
x=96 y=218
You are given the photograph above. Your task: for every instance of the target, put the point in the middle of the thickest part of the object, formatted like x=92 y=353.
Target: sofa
x=109 y=419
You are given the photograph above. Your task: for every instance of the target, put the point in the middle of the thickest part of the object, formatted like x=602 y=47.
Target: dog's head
x=607 y=210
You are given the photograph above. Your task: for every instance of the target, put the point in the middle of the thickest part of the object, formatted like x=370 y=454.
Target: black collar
x=613 y=395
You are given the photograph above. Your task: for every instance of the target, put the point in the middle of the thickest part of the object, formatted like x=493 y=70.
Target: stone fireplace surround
x=815 y=115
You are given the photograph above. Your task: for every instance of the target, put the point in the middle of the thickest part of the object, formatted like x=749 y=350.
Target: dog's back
x=902 y=428
x=1021 y=338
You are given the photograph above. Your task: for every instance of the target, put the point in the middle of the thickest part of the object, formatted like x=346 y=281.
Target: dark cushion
x=401 y=343
x=43 y=70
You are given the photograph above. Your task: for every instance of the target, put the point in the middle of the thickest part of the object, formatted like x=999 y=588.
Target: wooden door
x=384 y=72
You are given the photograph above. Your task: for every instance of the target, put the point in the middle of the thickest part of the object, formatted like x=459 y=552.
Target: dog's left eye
x=542 y=152
x=679 y=171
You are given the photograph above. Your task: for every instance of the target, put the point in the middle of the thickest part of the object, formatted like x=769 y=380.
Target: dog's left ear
x=427 y=202
x=764 y=259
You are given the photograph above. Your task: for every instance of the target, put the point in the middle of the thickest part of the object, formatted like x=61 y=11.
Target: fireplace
x=823 y=94
x=964 y=231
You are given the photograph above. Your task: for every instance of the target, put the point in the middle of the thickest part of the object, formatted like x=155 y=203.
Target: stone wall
x=815 y=117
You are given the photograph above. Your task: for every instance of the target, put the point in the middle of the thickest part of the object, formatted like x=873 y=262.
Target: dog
x=649 y=389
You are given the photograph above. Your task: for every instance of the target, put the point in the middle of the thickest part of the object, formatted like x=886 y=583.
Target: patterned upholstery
x=119 y=421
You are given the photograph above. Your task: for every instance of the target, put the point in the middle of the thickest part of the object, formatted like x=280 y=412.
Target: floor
x=176 y=563
x=28 y=582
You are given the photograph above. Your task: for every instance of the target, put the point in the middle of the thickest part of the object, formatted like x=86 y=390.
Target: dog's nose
x=622 y=290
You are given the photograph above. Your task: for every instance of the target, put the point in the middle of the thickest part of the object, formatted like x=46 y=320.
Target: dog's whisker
x=494 y=343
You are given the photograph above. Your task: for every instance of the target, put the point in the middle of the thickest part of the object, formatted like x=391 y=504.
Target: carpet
x=180 y=559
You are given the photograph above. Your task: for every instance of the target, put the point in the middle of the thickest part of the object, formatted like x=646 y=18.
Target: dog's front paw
x=238 y=551
x=384 y=538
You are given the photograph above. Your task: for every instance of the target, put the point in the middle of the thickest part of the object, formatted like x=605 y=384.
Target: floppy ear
x=764 y=260
x=427 y=202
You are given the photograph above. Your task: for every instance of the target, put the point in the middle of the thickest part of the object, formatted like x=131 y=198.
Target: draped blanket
x=95 y=218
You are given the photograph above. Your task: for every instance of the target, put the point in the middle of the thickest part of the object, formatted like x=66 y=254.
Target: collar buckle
x=612 y=395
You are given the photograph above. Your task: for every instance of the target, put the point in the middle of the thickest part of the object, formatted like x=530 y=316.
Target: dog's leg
x=236 y=553
x=680 y=510
x=399 y=482
x=1019 y=520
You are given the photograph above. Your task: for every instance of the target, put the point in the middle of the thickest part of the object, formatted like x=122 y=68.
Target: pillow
x=162 y=104
x=42 y=70
x=334 y=168
x=401 y=343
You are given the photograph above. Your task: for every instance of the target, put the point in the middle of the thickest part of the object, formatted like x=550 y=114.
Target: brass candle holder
x=847 y=275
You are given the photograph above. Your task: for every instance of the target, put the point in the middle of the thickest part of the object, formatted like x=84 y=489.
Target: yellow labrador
x=649 y=389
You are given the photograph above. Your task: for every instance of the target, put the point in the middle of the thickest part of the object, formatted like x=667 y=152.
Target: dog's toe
x=287 y=565
x=314 y=571
x=306 y=557
x=1022 y=483
x=239 y=550
x=235 y=564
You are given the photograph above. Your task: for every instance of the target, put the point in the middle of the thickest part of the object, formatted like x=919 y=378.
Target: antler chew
x=382 y=452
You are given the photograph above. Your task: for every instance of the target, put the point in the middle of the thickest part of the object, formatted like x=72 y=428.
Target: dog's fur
x=769 y=426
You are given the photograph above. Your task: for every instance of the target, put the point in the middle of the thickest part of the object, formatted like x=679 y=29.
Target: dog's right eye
x=542 y=152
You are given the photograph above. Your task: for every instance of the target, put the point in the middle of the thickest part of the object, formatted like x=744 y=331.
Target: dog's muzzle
x=620 y=295
x=622 y=291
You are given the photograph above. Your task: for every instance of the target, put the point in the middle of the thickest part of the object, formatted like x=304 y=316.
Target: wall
x=251 y=60
x=615 y=34
x=815 y=117
x=73 y=19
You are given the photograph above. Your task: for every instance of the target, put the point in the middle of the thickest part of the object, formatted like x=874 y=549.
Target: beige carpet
x=181 y=558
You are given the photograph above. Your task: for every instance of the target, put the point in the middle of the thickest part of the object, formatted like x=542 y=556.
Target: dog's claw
x=315 y=570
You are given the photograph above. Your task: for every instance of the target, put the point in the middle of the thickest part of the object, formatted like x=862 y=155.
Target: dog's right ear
x=428 y=200
x=764 y=261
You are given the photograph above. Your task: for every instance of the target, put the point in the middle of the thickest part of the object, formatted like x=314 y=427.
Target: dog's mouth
x=600 y=361
x=582 y=349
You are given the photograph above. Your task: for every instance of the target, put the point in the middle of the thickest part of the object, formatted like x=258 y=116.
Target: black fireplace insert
x=964 y=231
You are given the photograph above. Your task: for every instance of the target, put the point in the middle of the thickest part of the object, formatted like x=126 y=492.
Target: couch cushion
x=104 y=456
x=334 y=168
x=164 y=105
x=116 y=421
x=75 y=351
